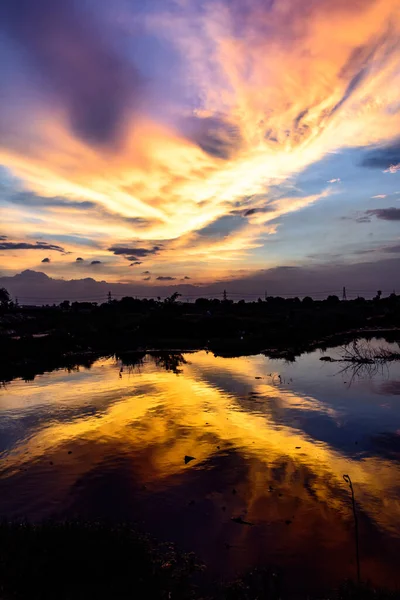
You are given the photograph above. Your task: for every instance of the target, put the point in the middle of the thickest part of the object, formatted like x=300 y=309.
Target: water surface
x=270 y=440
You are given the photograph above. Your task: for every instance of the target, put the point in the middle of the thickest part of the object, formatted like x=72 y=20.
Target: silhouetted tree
x=4 y=298
x=172 y=299
x=307 y=301
x=332 y=300
x=202 y=302
x=127 y=303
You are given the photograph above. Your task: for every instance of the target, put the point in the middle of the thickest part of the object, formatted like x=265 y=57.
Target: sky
x=161 y=142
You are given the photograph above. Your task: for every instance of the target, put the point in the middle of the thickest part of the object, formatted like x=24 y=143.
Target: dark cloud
x=32 y=199
x=76 y=61
x=146 y=273
x=251 y=211
x=137 y=262
x=46 y=260
x=392 y=249
x=222 y=227
x=30 y=246
x=363 y=219
x=96 y=262
x=214 y=135
x=386 y=214
x=133 y=254
x=254 y=211
x=186 y=277
x=146 y=278
x=79 y=259
x=382 y=157
x=165 y=278
x=3 y=237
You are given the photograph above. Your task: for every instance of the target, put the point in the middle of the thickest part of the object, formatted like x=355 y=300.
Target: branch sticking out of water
x=366 y=354
x=349 y=482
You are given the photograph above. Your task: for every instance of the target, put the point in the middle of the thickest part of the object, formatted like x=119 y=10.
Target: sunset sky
x=161 y=141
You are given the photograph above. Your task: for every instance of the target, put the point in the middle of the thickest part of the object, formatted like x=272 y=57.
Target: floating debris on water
x=241 y=521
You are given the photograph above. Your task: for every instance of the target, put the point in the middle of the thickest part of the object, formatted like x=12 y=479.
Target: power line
x=235 y=295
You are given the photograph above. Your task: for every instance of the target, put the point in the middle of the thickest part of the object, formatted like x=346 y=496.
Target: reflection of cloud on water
x=165 y=417
x=389 y=388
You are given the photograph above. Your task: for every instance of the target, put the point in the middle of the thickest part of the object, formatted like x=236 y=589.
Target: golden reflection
x=190 y=414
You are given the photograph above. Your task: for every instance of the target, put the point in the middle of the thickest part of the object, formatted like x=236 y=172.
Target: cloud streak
x=8 y=246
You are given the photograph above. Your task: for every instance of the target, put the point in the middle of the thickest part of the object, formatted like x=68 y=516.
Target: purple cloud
x=75 y=62
x=386 y=214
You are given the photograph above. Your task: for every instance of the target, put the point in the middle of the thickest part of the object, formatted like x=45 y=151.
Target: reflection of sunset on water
x=287 y=483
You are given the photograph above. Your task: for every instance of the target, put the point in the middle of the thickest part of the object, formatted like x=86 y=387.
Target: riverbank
x=34 y=339
x=32 y=357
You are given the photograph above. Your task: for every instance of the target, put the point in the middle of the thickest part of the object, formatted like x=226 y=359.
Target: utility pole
x=344 y=297
x=109 y=297
x=225 y=296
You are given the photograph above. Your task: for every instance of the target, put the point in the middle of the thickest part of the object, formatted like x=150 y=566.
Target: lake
x=266 y=443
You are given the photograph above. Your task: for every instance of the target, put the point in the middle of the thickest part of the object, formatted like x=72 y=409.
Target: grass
x=81 y=561
x=96 y=561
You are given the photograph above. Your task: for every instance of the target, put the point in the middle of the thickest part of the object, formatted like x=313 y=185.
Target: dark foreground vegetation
x=68 y=333
x=95 y=561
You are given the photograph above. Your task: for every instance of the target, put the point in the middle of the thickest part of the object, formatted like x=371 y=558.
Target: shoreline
x=27 y=365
